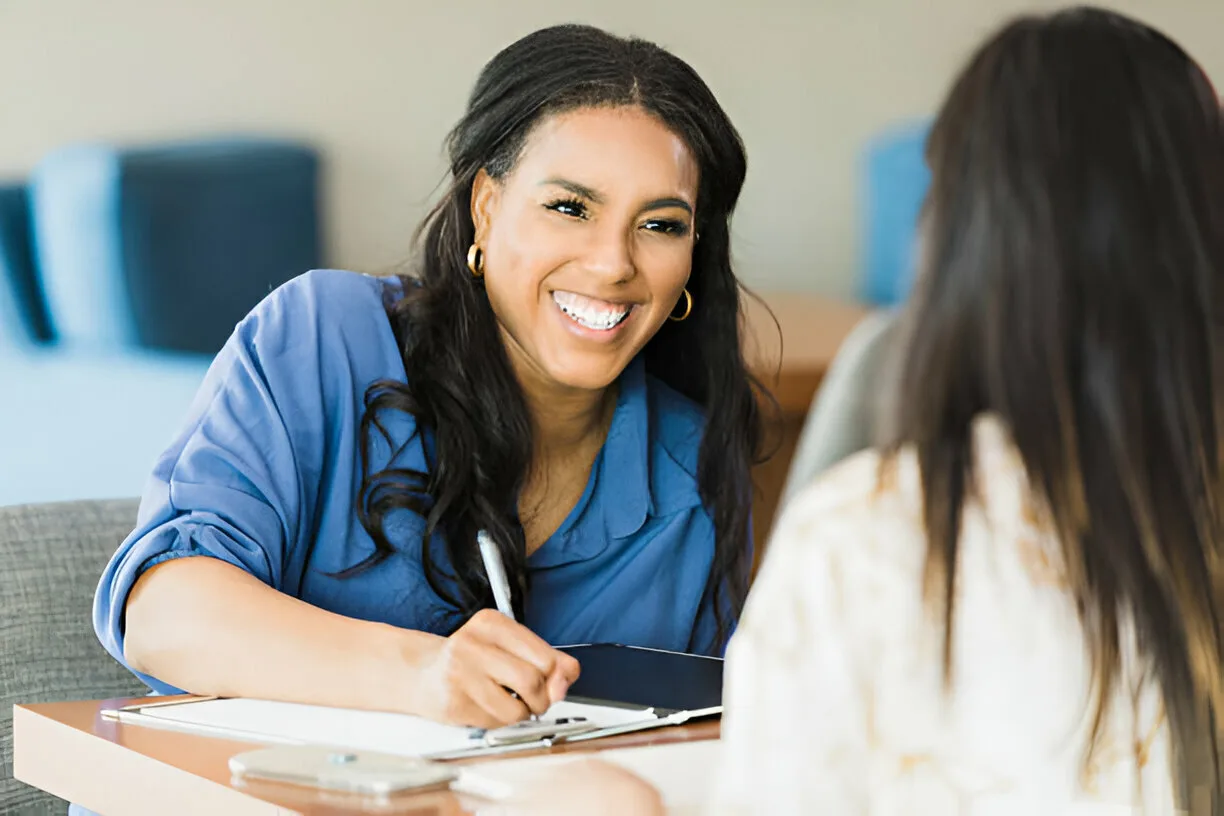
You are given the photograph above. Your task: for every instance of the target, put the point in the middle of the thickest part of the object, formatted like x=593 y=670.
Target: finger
x=498 y=706
x=568 y=667
x=563 y=677
x=516 y=639
x=519 y=676
x=559 y=669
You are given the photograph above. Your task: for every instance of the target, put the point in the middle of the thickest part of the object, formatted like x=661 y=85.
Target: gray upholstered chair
x=51 y=556
x=844 y=418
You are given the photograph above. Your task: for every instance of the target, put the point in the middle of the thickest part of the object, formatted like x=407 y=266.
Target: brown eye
x=666 y=226
x=568 y=206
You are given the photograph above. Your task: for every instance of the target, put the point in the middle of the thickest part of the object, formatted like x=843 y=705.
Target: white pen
x=496 y=571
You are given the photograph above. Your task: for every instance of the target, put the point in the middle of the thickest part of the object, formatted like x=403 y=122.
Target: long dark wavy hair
x=460 y=386
x=1073 y=248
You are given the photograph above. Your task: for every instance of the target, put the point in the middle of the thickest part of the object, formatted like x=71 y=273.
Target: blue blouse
x=267 y=466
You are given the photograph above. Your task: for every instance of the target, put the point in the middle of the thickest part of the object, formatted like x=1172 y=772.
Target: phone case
x=338 y=769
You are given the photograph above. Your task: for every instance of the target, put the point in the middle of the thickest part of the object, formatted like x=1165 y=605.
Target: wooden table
x=68 y=749
x=791 y=359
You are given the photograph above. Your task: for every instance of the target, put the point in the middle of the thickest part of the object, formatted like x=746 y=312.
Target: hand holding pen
x=494 y=671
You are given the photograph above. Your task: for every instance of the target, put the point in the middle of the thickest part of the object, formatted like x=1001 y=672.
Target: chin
x=589 y=377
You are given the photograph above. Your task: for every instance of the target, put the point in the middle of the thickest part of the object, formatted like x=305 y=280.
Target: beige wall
x=377 y=83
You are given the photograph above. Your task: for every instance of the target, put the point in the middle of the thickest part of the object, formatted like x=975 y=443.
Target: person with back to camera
x=563 y=370
x=1015 y=606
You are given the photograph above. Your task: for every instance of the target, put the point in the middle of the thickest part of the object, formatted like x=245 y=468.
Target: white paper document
x=291 y=723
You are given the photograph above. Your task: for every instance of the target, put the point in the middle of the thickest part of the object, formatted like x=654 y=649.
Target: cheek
x=666 y=270
x=522 y=250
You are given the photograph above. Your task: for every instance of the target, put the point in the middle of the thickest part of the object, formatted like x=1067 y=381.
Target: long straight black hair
x=1072 y=285
x=460 y=386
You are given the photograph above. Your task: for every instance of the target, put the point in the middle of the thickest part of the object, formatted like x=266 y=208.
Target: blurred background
x=164 y=164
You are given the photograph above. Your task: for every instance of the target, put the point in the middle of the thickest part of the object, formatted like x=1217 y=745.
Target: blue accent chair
x=895 y=180
x=122 y=272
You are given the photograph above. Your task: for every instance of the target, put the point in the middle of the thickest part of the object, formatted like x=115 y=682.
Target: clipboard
x=269 y=722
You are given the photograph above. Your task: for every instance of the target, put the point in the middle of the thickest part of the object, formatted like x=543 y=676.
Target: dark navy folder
x=631 y=676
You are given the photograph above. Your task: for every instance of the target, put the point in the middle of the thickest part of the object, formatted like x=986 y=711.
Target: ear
x=486 y=195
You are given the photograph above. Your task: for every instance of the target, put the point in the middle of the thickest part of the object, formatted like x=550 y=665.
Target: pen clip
x=549 y=730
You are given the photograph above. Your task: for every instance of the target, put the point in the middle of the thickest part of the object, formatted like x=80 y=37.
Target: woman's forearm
x=208 y=627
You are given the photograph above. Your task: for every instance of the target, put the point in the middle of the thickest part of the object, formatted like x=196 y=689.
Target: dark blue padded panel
x=206 y=231
x=168 y=247
x=23 y=309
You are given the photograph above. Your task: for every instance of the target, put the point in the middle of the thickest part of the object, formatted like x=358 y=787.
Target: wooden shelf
x=791 y=357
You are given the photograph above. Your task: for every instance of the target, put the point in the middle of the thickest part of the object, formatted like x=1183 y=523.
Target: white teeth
x=593 y=314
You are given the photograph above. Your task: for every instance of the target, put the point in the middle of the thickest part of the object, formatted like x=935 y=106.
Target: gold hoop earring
x=475 y=261
x=688 y=307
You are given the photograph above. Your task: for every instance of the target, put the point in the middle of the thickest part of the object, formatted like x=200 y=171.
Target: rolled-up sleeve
x=227 y=488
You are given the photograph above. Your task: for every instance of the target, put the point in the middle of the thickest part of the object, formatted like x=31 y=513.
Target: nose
x=609 y=254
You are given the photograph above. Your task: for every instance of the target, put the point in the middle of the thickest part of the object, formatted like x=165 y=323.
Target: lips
x=591 y=313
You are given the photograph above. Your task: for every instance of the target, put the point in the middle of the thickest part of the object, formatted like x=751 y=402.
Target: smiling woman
x=581 y=274
x=562 y=370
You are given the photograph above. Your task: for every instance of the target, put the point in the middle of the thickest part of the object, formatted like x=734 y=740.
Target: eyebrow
x=664 y=203
x=582 y=191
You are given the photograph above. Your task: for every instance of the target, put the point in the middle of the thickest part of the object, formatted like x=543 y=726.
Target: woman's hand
x=467 y=678
x=587 y=787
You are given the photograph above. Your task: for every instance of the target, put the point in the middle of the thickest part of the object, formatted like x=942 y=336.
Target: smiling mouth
x=598 y=315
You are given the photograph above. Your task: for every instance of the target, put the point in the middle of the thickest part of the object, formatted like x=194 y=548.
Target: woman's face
x=588 y=243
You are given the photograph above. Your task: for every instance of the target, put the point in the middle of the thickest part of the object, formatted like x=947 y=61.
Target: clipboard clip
x=546 y=730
